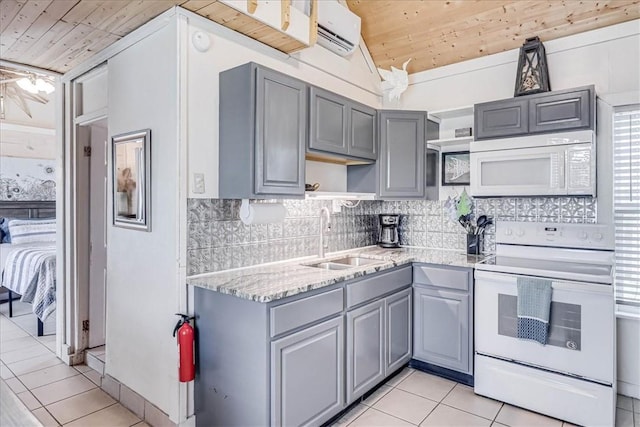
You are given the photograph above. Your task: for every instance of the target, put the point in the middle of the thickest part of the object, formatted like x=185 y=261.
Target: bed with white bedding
x=29 y=270
x=27 y=265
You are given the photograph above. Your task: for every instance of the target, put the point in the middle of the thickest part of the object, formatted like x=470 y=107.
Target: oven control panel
x=586 y=236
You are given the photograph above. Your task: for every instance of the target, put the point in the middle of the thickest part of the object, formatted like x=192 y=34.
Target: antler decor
x=395 y=81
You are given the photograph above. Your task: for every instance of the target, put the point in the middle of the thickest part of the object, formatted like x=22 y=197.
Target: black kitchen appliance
x=388 y=235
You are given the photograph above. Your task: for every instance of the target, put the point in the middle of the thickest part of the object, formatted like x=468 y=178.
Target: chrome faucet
x=323 y=246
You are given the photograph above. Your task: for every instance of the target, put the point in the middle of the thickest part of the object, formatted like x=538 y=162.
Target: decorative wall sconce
x=532 y=74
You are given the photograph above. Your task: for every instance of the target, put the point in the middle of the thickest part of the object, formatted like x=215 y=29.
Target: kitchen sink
x=344 y=263
x=329 y=266
x=355 y=261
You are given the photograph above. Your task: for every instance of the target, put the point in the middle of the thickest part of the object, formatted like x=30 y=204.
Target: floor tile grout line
x=468 y=412
x=72 y=395
x=85 y=415
x=27 y=358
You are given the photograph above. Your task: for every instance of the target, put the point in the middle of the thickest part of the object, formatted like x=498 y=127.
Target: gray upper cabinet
x=397 y=308
x=402 y=154
x=263 y=129
x=340 y=126
x=501 y=118
x=362 y=132
x=328 y=122
x=307 y=375
x=561 y=111
x=365 y=349
x=556 y=111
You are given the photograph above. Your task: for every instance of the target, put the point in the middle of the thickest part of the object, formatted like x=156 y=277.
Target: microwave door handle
x=561 y=170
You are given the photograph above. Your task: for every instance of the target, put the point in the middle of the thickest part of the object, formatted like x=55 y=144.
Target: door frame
x=76 y=245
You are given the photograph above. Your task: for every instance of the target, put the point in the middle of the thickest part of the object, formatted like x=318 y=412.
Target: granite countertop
x=265 y=283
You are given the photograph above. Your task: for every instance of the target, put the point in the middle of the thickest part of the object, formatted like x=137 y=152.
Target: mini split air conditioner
x=338 y=28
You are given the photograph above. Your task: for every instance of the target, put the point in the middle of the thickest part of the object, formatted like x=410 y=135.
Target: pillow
x=5 y=237
x=32 y=231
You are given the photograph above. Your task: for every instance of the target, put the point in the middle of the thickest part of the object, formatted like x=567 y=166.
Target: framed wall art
x=132 y=180
x=456 y=168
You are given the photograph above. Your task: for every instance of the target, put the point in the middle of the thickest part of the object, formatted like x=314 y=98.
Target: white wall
x=352 y=77
x=608 y=57
x=628 y=356
x=142 y=267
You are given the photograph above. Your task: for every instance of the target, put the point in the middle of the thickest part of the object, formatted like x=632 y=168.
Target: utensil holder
x=474 y=244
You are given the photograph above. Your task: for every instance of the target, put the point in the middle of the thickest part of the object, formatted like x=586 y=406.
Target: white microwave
x=541 y=165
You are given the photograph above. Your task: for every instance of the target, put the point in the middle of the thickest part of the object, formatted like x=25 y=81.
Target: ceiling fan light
x=26 y=84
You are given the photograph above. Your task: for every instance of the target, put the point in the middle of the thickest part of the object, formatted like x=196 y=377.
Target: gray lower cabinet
x=442 y=334
x=378 y=323
x=398 y=330
x=402 y=154
x=263 y=129
x=307 y=375
x=340 y=126
x=299 y=361
x=365 y=348
x=443 y=316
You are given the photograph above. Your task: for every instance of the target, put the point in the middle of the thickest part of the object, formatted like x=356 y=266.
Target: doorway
x=92 y=232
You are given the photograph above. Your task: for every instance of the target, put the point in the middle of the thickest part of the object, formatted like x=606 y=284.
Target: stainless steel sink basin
x=329 y=266
x=343 y=263
x=355 y=261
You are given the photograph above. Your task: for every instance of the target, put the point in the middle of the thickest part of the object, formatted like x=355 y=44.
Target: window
x=626 y=203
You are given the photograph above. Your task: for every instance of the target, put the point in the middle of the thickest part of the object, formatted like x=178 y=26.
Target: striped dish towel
x=534 y=307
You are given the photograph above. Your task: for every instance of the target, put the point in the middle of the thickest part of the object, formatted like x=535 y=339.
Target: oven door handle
x=510 y=280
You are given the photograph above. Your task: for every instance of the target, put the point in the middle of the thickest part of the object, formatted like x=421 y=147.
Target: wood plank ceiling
x=436 y=33
x=60 y=34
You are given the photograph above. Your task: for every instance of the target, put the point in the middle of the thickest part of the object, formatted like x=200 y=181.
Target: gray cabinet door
x=441 y=328
x=397 y=310
x=365 y=349
x=402 y=154
x=307 y=375
x=281 y=116
x=328 y=124
x=362 y=132
x=497 y=119
x=560 y=112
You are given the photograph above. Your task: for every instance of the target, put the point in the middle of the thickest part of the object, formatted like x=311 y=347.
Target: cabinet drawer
x=292 y=315
x=376 y=286
x=441 y=277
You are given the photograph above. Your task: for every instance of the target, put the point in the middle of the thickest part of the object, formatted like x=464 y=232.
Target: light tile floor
x=414 y=398
x=55 y=393
x=61 y=395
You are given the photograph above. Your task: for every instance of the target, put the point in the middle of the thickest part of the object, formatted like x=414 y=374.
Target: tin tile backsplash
x=218 y=240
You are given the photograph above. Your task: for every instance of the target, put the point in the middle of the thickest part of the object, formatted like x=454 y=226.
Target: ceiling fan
x=23 y=86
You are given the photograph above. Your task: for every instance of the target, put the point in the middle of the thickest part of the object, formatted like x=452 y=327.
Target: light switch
x=198 y=183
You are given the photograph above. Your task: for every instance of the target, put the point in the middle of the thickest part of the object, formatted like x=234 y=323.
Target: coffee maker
x=388 y=235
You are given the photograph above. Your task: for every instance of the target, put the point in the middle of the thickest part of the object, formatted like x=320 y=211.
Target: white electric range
x=572 y=377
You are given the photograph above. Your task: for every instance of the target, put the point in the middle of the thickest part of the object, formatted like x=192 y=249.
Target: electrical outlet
x=198 y=183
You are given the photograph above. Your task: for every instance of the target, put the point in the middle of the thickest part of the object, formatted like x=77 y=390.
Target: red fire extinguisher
x=186 y=342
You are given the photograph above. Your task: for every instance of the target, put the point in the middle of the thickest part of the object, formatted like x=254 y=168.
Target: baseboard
x=628 y=389
x=442 y=372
